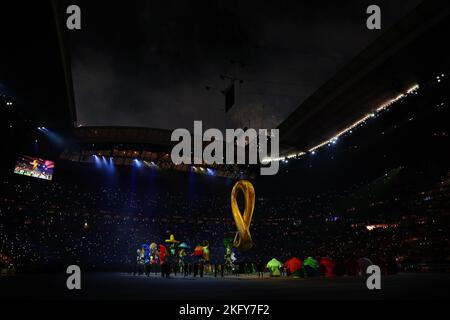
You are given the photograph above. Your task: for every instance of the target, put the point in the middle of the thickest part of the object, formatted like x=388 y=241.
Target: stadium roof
x=157 y=137
x=164 y=65
x=378 y=74
x=412 y=49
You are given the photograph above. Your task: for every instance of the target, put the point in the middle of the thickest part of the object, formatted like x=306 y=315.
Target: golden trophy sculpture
x=243 y=239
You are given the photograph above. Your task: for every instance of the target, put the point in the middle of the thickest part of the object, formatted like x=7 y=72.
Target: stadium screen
x=34 y=167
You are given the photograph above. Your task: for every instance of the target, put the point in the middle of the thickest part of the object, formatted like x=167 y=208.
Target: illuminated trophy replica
x=243 y=240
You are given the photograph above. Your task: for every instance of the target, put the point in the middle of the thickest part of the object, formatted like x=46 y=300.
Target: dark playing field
x=125 y=286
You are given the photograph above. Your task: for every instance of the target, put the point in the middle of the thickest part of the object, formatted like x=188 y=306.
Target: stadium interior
x=364 y=165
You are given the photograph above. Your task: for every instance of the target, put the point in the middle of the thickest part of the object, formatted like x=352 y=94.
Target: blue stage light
x=138 y=163
x=97 y=161
x=52 y=136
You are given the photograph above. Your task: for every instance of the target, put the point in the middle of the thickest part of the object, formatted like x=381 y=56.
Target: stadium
x=88 y=179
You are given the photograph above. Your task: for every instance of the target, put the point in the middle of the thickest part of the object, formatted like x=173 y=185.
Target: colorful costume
x=162 y=254
x=328 y=267
x=275 y=267
x=173 y=243
x=154 y=254
x=293 y=266
x=310 y=267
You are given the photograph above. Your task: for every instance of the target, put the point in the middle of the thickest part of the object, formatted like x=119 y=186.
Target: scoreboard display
x=34 y=167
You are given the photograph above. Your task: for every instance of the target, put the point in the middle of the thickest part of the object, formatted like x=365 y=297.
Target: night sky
x=146 y=63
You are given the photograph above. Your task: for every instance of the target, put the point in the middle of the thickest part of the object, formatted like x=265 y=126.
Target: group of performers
x=175 y=256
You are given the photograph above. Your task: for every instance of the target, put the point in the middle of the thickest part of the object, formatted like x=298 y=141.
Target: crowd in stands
x=48 y=225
